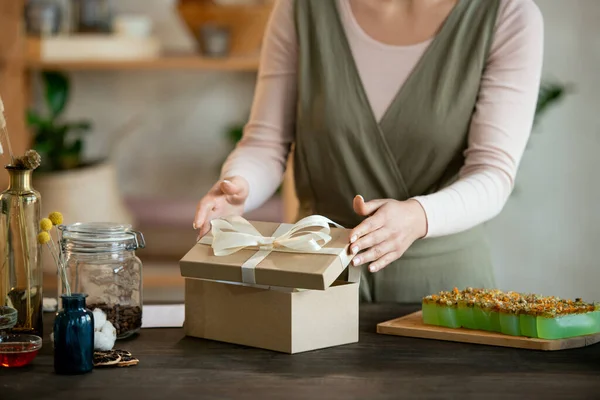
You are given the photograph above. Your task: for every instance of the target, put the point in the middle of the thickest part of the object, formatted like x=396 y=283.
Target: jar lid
x=102 y=232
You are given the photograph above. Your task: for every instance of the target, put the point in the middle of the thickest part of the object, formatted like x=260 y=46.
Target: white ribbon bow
x=230 y=235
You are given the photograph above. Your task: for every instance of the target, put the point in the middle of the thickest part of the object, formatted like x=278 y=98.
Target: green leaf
x=70 y=156
x=549 y=94
x=57 y=92
x=35 y=120
x=76 y=147
x=79 y=127
x=236 y=133
x=57 y=132
x=42 y=147
x=69 y=162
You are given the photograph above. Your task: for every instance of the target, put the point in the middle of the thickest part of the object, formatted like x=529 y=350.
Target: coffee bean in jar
x=127 y=320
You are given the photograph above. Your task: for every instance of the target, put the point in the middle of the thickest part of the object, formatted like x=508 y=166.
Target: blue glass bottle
x=73 y=336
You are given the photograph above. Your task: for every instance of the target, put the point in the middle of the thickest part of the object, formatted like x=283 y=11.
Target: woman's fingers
x=206 y=224
x=384 y=261
x=205 y=206
x=367 y=226
x=235 y=189
x=374 y=253
x=365 y=209
x=204 y=230
x=370 y=240
x=226 y=196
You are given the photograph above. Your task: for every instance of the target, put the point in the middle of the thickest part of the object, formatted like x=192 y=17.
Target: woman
x=408 y=118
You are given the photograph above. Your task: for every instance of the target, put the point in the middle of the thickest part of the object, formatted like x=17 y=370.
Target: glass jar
x=101 y=262
x=43 y=18
x=94 y=16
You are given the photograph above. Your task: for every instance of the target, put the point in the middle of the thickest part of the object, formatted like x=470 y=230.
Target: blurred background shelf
x=117 y=53
x=235 y=63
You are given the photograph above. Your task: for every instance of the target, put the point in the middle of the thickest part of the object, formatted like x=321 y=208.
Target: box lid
x=282 y=267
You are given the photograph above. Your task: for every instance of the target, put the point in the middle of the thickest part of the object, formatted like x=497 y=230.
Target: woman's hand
x=225 y=198
x=391 y=228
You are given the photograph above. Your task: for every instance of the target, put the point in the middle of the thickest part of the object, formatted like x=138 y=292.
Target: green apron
x=340 y=150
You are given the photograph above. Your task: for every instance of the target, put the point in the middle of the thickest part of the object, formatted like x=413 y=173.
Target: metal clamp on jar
x=101 y=262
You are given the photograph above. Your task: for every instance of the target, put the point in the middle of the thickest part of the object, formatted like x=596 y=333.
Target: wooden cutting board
x=412 y=326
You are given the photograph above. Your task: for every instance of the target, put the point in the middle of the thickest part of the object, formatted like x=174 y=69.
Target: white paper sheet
x=163 y=316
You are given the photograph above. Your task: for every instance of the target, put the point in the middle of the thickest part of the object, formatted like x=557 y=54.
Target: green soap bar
x=568 y=325
x=496 y=321
x=465 y=316
x=448 y=316
x=430 y=314
x=528 y=325
x=486 y=320
x=509 y=324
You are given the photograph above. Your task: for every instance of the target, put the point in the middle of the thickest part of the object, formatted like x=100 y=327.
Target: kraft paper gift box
x=281 y=287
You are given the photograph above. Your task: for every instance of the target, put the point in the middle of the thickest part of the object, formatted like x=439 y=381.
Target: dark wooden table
x=379 y=366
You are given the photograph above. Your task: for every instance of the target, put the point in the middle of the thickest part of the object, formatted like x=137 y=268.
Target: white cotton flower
x=109 y=329
x=99 y=319
x=104 y=338
x=49 y=304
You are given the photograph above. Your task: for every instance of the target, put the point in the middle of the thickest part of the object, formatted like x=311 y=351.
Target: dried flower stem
x=58 y=248
x=7 y=139
x=4 y=290
x=26 y=259
x=62 y=268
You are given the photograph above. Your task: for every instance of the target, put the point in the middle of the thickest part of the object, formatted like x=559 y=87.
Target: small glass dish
x=8 y=318
x=18 y=350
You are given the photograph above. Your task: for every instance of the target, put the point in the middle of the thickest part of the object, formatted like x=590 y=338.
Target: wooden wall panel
x=12 y=77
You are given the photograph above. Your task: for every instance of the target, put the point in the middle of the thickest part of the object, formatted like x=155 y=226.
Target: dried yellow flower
x=56 y=218
x=43 y=237
x=45 y=224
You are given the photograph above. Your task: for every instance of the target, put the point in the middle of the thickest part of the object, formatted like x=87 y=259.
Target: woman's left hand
x=391 y=228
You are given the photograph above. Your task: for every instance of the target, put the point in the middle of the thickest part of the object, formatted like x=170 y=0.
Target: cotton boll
x=103 y=342
x=49 y=304
x=99 y=319
x=104 y=339
x=109 y=329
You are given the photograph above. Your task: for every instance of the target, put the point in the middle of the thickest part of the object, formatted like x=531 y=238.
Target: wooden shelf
x=164 y=63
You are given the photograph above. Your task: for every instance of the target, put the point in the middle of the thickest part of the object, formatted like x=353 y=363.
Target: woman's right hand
x=225 y=198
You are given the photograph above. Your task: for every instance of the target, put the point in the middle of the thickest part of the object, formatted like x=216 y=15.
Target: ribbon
x=230 y=235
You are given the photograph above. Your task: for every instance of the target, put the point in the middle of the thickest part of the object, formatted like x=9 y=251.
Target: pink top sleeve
x=500 y=127
x=261 y=156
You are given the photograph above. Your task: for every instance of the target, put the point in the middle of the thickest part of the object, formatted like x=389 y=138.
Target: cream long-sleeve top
x=499 y=129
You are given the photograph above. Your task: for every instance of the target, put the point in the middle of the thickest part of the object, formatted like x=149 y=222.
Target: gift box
x=281 y=287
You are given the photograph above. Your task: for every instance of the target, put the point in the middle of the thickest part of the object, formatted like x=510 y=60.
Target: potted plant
x=86 y=190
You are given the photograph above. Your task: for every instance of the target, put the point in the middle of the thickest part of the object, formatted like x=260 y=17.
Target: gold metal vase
x=21 y=270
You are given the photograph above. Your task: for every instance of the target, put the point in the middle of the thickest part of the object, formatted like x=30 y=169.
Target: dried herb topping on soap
x=511 y=302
